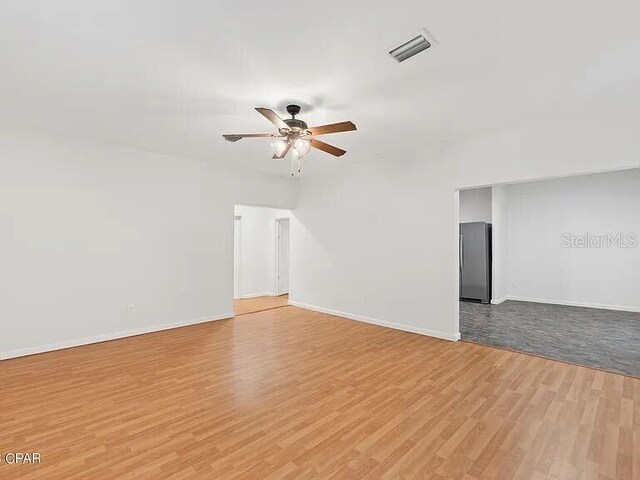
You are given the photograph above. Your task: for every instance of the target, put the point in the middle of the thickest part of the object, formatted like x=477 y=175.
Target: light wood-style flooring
x=258 y=304
x=292 y=394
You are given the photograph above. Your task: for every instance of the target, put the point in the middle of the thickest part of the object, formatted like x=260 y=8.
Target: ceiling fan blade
x=283 y=153
x=325 y=147
x=332 y=128
x=272 y=117
x=234 y=137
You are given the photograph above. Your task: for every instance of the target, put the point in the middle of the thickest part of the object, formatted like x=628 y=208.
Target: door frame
x=238 y=259
x=279 y=221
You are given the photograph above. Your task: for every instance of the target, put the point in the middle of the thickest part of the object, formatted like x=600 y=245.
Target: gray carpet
x=605 y=339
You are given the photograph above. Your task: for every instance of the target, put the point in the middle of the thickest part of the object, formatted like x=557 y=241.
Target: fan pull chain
x=296 y=162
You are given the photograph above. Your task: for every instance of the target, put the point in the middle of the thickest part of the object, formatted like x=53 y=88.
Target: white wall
x=499 y=242
x=258 y=249
x=378 y=240
x=541 y=269
x=368 y=245
x=88 y=229
x=475 y=205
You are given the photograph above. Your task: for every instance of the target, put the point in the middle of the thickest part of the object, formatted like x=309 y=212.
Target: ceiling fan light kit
x=295 y=135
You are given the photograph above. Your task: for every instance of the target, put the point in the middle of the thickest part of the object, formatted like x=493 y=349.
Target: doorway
x=237 y=257
x=564 y=265
x=261 y=258
x=282 y=256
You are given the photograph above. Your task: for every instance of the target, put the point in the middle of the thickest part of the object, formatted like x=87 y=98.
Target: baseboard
x=381 y=323
x=254 y=295
x=49 y=347
x=500 y=300
x=600 y=306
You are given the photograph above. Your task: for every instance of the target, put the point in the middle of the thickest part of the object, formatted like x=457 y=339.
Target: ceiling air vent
x=417 y=44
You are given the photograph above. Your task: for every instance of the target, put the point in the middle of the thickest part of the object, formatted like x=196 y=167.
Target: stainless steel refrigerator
x=475 y=261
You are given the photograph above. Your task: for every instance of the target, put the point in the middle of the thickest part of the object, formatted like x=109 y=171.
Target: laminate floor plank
x=242 y=306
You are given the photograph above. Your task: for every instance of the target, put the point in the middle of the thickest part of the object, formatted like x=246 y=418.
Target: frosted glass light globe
x=302 y=147
x=279 y=146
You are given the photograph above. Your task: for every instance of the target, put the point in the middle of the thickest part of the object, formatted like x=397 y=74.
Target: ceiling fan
x=294 y=134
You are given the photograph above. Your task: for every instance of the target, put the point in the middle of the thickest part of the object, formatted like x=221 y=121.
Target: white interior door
x=237 y=254
x=283 y=257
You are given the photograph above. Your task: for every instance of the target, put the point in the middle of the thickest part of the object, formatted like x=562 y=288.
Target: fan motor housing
x=295 y=123
x=296 y=127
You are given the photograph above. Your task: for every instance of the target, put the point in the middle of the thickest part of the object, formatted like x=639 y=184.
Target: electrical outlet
x=129 y=309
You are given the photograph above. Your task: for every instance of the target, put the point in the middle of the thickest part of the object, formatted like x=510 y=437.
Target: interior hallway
x=243 y=306
x=289 y=393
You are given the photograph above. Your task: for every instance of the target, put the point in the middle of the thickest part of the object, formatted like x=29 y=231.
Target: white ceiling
x=172 y=76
